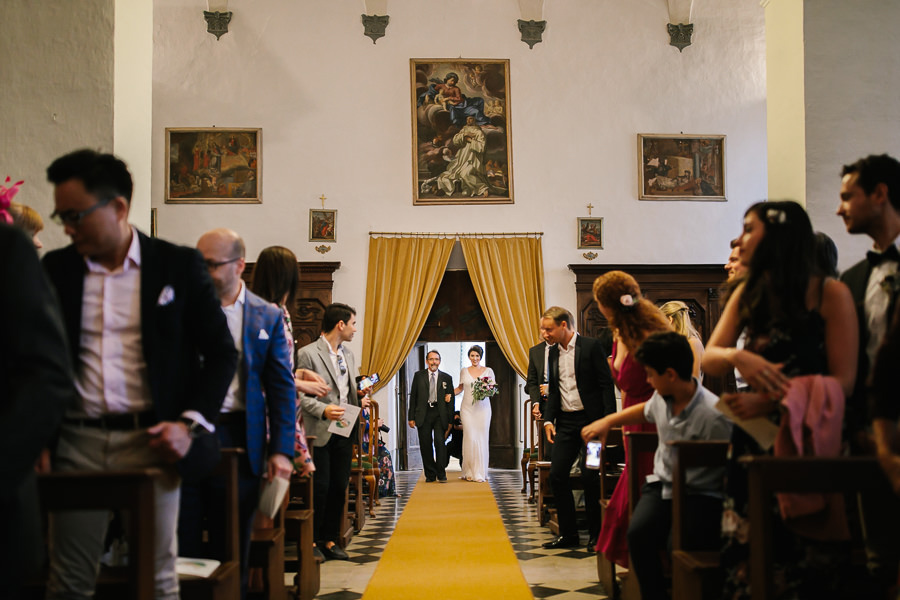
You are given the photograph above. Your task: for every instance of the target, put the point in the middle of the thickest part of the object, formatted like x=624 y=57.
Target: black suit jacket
x=595 y=384
x=191 y=358
x=535 y=375
x=35 y=389
x=418 y=397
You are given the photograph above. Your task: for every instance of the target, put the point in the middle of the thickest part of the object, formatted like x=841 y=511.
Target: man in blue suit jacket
x=262 y=388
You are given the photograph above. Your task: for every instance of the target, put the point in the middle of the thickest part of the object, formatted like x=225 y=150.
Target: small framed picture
x=322 y=225
x=590 y=232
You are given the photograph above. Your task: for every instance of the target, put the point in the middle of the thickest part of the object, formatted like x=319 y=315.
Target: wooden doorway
x=456 y=316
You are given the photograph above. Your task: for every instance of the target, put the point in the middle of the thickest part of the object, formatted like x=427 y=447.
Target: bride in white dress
x=476 y=419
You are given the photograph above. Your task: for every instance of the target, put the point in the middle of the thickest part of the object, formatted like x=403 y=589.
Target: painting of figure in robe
x=462 y=152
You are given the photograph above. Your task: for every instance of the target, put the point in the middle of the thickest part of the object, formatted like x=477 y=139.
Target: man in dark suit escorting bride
x=430 y=412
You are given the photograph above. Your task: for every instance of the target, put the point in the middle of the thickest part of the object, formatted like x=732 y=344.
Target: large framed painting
x=209 y=165
x=462 y=150
x=681 y=167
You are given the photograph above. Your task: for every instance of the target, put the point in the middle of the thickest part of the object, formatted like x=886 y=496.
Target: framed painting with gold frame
x=681 y=167
x=590 y=232
x=462 y=144
x=322 y=225
x=212 y=165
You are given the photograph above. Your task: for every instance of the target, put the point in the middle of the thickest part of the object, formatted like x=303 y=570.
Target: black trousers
x=203 y=505
x=431 y=445
x=650 y=534
x=330 y=483
x=567 y=446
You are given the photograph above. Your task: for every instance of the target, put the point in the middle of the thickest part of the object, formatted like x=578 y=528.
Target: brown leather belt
x=116 y=421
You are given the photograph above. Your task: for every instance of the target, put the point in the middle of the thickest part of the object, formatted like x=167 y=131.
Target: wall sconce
x=375 y=19
x=217 y=17
x=680 y=27
x=532 y=25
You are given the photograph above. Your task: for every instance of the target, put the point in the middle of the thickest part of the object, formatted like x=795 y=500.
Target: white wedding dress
x=476 y=423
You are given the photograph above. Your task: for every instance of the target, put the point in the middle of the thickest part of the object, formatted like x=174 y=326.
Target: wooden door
x=408 y=440
x=504 y=411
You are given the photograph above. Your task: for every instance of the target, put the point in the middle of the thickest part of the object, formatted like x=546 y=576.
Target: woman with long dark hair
x=797 y=322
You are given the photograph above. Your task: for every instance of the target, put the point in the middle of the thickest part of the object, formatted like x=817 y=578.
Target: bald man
x=261 y=399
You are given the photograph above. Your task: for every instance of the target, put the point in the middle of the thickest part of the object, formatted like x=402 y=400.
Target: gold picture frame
x=681 y=167
x=322 y=225
x=461 y=137
x=213 y=165
x=590 y=232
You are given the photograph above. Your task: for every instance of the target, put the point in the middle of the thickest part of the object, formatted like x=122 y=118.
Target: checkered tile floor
x=565 y=574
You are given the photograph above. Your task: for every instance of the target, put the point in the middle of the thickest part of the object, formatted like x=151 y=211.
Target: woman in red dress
x=632 y=318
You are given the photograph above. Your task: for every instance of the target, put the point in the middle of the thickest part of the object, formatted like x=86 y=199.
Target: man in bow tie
x=870 y=204
x=258 y=412
x=430 y=412
x=152 y=355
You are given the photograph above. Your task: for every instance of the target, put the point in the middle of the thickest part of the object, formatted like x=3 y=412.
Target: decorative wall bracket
x=590 y=255
x=680 y=35
x=323 y=249
x=217 y=22
x=374 y=26
x=532 y=31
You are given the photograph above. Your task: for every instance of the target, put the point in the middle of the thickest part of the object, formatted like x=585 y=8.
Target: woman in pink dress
x=632 y=319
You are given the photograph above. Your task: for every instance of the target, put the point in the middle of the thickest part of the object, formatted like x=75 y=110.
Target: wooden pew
x=225 y=582
x=609 y=476
x=538 y=455
x=695 y=574
x=769 y=474
x=529 y=451
x=267 y=541
x=128 y=491
x=298 y=523
x=639 y=442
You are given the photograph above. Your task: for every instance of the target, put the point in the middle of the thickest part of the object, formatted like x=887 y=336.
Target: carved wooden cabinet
x=698 y=286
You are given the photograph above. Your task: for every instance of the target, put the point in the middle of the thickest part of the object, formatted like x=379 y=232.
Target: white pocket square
x=263 y=335
x=166 y=296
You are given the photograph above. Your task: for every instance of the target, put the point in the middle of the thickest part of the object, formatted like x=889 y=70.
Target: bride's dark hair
x=476 y=348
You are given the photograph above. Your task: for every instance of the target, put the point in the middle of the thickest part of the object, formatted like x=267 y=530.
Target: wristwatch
x=195 y=428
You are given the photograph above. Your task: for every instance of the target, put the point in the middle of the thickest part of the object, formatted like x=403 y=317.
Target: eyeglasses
x=341 y=364
x=213 y=265
x=74 y=218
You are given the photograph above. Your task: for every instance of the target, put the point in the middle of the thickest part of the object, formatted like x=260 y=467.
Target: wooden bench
x=638 y=443
x=298 y=529
x=127 y=491
x=769 y=474
x=695 y=574
x=266 y=560
x=609 y=477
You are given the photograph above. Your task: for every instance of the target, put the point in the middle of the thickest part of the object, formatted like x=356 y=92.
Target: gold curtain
x=403 y=280
x=508 y=276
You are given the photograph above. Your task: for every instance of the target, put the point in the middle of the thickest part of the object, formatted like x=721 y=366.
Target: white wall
x=335 y=113
x=852 y=86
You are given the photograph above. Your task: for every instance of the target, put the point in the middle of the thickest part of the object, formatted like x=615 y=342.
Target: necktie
x=876 y=258
x=432 y=391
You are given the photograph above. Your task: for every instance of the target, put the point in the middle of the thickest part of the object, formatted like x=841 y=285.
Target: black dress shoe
x=429 y=479
x=442 y=479
x=317 y=554
x=592 y=543
x=563 y=541
x=334 y=553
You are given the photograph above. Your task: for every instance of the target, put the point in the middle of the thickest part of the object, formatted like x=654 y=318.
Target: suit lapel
x=151 y=284
x=250 y=332
x=325 y=357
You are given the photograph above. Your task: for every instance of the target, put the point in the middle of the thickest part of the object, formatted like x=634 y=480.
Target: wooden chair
x=609 y=476
x=356 y=500
x=298 y=525
x=545 y=494
x=538 y=455
x=128 y=491
x=225 y=582
x=529 y=452
x=769 y=474
x=695 y=574
x=267 y=541
x=371 y=471
x=639 y=442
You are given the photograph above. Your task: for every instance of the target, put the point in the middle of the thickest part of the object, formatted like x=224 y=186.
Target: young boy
x=682 y=409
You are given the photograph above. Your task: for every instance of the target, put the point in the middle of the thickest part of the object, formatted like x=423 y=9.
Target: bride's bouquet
x=484 y=387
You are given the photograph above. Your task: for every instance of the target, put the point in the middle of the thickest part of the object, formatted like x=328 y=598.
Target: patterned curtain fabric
x=508 y=276
x=403 y=280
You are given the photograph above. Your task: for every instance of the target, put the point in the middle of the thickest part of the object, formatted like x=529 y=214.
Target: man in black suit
x=581 y=391
x=537 y=383
x=152 y=353
x=35 y=389
x=870 y=204
x=430 y=412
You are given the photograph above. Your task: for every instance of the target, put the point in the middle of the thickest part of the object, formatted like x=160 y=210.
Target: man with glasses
x=260 y=402
x=329 y=357
x=153 y=360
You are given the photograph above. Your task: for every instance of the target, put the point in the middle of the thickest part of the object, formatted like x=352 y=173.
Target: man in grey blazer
x=330 y=358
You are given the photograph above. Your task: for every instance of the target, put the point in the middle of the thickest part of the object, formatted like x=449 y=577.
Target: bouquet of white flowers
x=484 y=387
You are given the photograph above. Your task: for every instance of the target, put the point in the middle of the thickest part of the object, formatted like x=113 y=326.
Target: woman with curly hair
x=632 y=318
x=798 y=322
x=679 y=317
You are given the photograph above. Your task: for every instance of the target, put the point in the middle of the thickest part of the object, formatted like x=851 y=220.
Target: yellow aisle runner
x=449 y=544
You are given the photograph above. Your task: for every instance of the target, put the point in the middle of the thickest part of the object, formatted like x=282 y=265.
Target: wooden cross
x=589 y=207
x=322 y=198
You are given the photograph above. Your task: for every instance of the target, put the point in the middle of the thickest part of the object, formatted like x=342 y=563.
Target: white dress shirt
x=343 y=379
x=876 y=304
x=234 y=314
x=112 y=377
x=568 y=386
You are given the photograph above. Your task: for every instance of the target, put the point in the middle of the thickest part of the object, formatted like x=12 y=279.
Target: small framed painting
x=322 y=225
x=211 y=165
x=590 y=232
x=681 y=167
